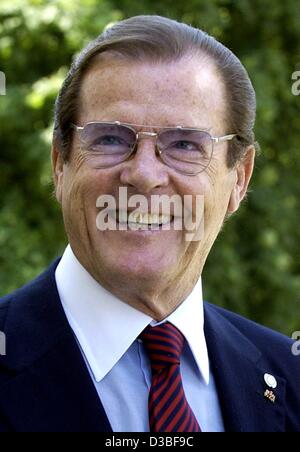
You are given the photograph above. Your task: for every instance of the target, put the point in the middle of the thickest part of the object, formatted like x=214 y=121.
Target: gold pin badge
x=270 y=395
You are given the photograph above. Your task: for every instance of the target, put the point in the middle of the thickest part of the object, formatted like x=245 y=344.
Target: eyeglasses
x=186 y=150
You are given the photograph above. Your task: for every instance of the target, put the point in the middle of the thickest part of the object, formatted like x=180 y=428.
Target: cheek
x=77 y=195
x=217 y=198
x=215 y=185
x=78 y=184
x=82 y=188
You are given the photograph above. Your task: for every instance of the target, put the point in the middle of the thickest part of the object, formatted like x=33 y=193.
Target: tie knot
x=164 y=344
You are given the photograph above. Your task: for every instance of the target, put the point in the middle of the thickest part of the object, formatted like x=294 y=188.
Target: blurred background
x=254 y=268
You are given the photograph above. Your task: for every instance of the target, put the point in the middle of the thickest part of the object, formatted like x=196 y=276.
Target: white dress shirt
x=107 y=331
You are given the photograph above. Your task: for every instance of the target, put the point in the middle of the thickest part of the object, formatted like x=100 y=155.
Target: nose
x=145 y=171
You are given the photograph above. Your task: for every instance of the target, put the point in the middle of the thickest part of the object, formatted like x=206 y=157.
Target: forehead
x=187 y=92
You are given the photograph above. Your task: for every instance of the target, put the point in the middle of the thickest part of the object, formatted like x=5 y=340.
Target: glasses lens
x=187 y=151
x=107 y=144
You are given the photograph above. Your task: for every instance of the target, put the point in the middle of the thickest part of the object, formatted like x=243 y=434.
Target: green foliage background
x=254 y=267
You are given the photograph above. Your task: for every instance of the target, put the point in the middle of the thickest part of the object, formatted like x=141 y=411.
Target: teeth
x=148 y=218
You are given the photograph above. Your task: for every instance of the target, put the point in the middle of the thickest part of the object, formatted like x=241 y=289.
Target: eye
x=185 y=145
x=110 y=140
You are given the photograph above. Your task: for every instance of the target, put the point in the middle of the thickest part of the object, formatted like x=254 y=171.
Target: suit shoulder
x=24 y=294
x=4 y=304
x=265 y=339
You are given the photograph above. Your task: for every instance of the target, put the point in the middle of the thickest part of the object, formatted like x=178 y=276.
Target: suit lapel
x=239 y=370
x=48 y=386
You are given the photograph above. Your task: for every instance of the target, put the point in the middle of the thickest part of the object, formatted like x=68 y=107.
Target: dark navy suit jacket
x=45 y=385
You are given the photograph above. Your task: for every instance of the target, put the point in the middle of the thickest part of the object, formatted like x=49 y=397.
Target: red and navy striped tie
x=169 y=410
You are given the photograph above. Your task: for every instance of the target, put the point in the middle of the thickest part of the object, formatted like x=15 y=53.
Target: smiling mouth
x=143 y=221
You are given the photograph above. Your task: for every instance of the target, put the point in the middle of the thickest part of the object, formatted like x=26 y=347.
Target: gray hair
x=159 y=39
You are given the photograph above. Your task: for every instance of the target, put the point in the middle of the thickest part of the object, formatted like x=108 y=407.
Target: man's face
x=142 y=263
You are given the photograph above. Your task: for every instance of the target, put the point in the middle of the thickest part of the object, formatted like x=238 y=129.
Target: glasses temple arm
x=224 y=138
x=76 y=127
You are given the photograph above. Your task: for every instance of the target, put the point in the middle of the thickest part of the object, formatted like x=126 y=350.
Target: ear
x=57 y=170
x=244 y=170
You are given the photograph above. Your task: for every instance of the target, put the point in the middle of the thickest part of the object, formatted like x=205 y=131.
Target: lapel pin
x=270 y=395
x=270 y=381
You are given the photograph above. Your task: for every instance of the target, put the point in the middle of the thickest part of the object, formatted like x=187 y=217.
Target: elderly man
x=114 y=336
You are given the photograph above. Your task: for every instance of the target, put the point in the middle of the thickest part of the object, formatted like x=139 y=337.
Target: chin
x=137 y=270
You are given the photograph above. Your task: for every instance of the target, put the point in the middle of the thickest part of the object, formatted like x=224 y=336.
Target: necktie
x=169 y=410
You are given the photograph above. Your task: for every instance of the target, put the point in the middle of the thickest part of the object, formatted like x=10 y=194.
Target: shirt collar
x=97 y=317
